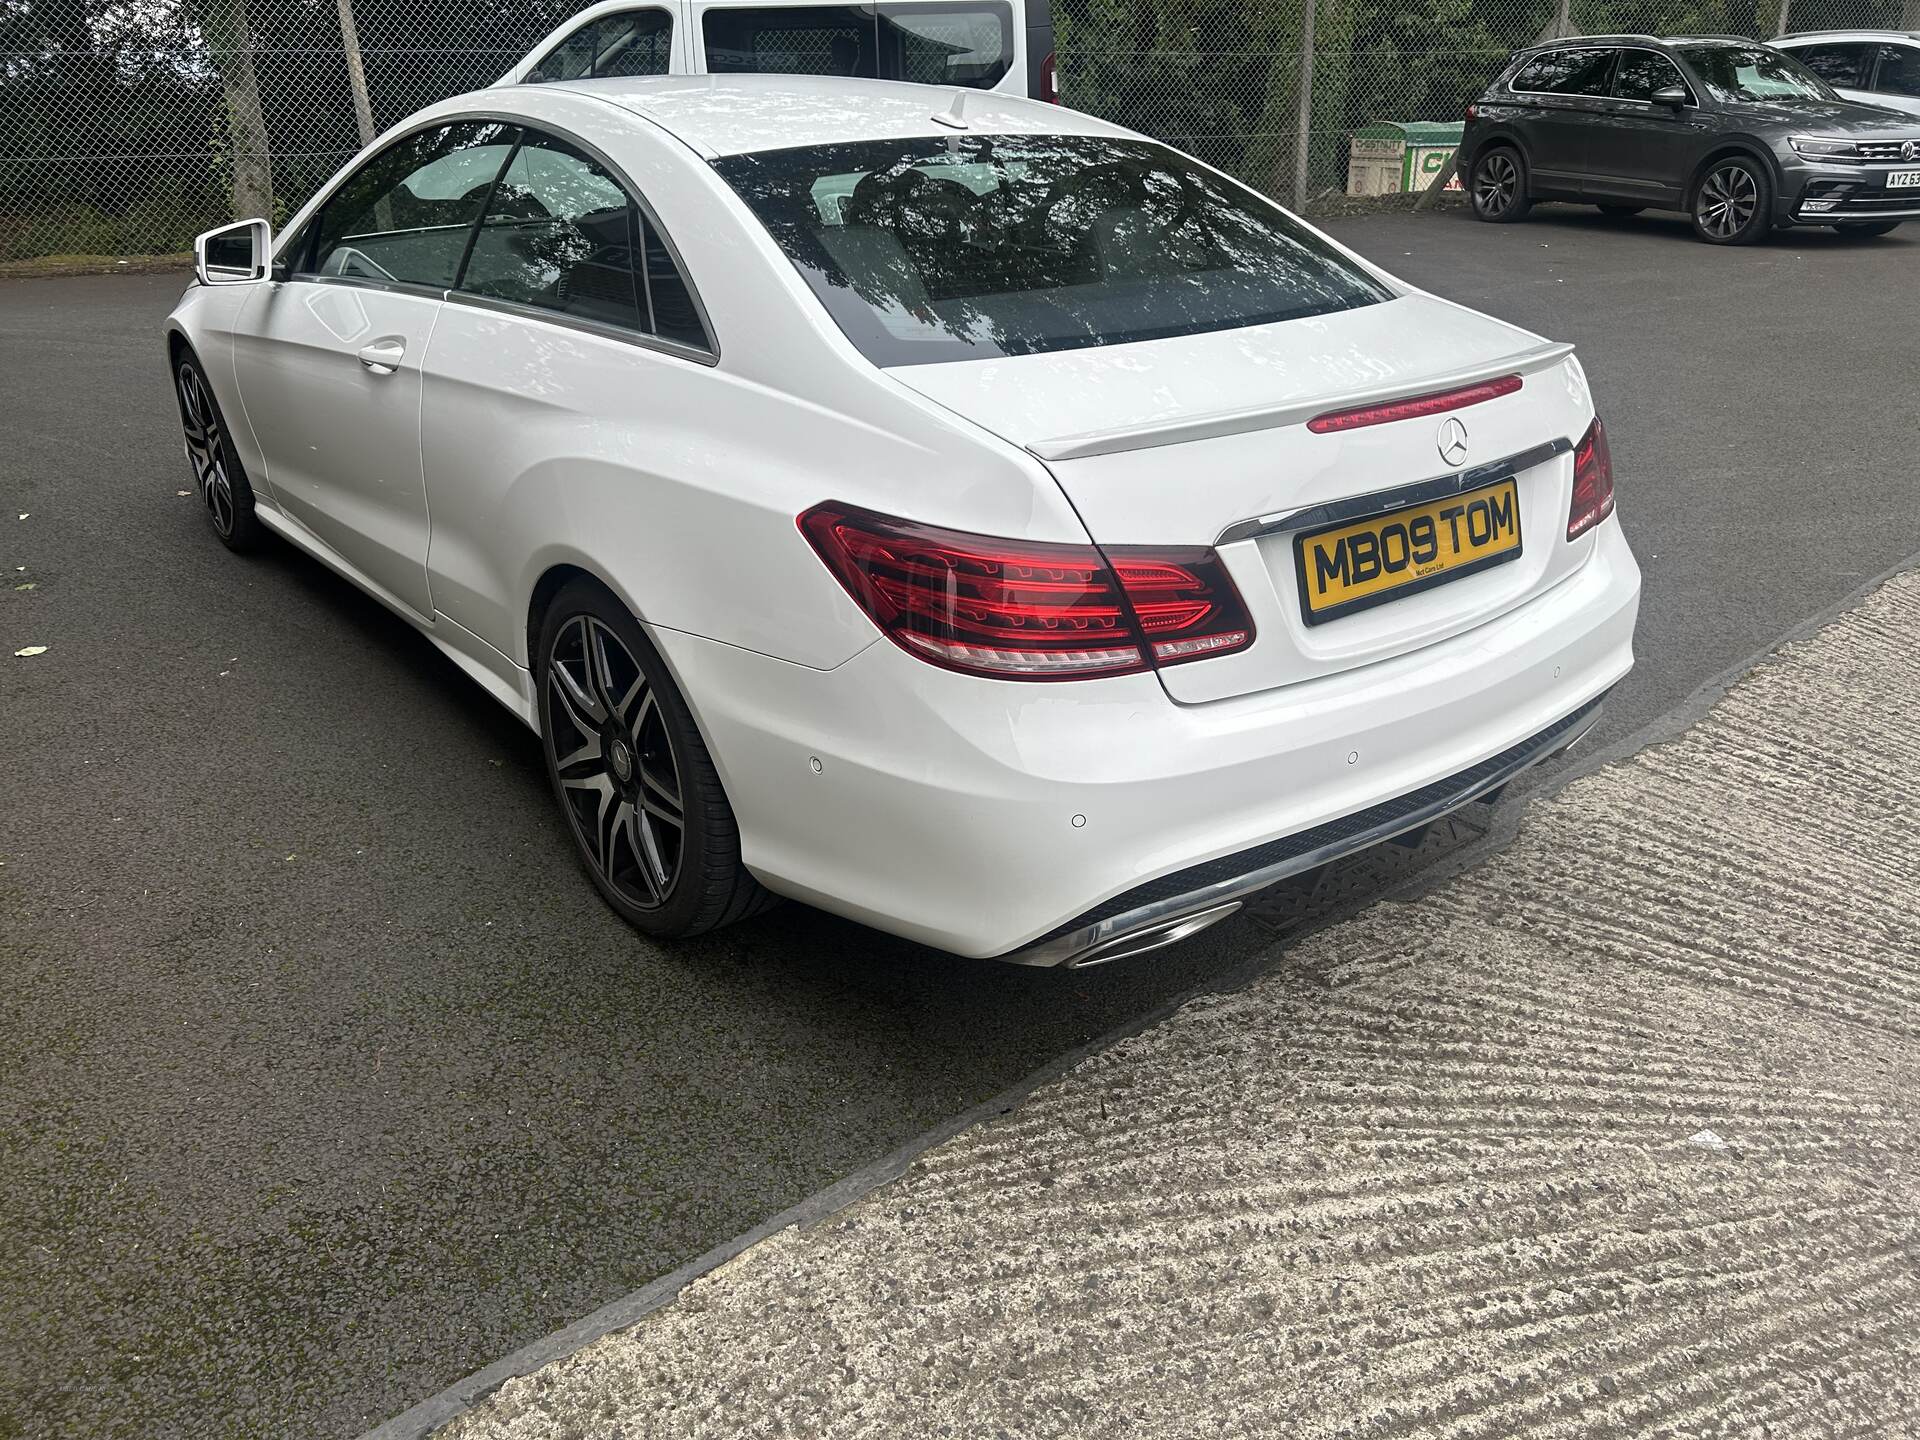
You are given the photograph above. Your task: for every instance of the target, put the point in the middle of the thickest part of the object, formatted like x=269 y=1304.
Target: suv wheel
x=1733 y=204
x=642 y=799
x=1500 y=186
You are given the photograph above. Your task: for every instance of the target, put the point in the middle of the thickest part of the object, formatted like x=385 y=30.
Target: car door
x=570 y=361
x=1565 y=90
x=1639 y=152
x=328 y=360
x=1896 y=81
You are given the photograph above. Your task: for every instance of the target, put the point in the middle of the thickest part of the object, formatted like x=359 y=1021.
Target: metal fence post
x=356 y=73
x=1302 y=144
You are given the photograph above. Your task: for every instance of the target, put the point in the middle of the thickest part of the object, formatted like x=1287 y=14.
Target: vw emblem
x=1910 y=150
x=1453 y=441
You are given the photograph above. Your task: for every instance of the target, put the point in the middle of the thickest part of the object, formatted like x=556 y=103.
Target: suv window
x=1899 y=71
x=404 y=216
x=562 y=234
x=1733 y=73
x=633 y=42
x=969 y=42
x=1843 y=66
x=974 y=246
x=1644 y=71
x=1566 y=72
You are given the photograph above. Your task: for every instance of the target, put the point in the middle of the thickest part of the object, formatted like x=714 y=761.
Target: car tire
x=219 y=479
x=1878 y=227
x=1621 y=212
x=1733 y=203
x=634 y=781
x=1498 y=190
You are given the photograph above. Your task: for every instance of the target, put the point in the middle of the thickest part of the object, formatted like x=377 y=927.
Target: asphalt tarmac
x=324 y=1076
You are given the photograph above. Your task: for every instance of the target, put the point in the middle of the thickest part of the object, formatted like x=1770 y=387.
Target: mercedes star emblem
x=1453 y=441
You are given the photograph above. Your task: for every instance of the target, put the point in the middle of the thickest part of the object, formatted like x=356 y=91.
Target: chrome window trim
x=576 y=322
x=523 y=125
x=1381 y=502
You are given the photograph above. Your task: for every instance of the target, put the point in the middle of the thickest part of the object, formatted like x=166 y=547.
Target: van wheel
x=1733 y=204
x=639 y=791
x=1499 y=186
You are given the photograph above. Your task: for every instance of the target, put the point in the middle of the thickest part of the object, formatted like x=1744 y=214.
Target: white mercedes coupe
x=939 y=507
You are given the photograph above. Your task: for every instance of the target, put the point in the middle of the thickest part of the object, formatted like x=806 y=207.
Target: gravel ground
x=1614 y=1135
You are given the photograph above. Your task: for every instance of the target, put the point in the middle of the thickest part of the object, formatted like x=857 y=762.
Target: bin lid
x=1413 y=132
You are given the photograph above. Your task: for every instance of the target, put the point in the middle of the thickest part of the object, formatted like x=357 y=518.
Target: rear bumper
x=993 y=818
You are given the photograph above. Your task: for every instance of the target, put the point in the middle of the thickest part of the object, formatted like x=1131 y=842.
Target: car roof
x=1800 y=35
x=733 y=114
x=1577 y=41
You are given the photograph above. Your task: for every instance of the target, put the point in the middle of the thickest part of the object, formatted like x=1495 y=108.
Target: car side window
x=405 y=215
x=1899 y=71
x=1642 y=72
x=632 y=42
x=559 y=234
x=1843 y=66
x=1579 y=71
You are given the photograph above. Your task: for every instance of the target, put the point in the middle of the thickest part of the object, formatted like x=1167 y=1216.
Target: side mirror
x=234 y=254
x=1674 y=97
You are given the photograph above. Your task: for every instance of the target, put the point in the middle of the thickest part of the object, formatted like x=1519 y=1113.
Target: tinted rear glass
x=968 y=43
x=977 y=246
x=1846 y=66
x=1566 y=72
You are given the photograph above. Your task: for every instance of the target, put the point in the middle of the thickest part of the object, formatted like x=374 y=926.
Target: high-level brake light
x=1414 y=406
x=1023 y=610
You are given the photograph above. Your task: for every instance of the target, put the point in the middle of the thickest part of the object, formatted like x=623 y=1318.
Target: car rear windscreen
x=943 y=43
x=969 y=247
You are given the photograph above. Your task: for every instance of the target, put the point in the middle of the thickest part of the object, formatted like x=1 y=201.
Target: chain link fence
x=128 y=126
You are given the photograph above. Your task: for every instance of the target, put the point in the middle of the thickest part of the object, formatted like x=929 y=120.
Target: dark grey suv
x=1739 y=135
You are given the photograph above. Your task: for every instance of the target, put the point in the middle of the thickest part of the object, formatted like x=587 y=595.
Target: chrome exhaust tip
x=1154 y=937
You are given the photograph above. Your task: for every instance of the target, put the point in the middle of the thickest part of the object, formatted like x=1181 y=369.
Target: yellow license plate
x=1366 y=562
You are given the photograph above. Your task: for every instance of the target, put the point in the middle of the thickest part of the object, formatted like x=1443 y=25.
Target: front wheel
x=218 y=476
x=1733 y=204
x=1499 y=188
x=642 y=799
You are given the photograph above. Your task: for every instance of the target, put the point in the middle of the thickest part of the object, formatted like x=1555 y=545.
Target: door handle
x=383 y=357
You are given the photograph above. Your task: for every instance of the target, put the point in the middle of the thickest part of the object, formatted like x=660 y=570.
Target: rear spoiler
x=1291 y=412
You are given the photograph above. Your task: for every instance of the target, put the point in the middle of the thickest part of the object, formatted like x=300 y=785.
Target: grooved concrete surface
x=1613 y=1135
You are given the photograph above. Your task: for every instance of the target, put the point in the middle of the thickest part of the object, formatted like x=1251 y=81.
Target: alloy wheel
x=206 y=448
x=615 y=762
x=1727 y=201
x=1495 y=183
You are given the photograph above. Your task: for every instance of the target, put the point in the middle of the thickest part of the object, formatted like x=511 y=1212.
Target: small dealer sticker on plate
x=1366 y=562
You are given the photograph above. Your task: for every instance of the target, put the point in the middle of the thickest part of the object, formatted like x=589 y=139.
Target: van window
x=970 y=247
x=633 y=42
x=966 y=43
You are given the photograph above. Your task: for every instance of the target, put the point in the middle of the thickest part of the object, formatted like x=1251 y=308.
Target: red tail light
x=1473 y=111
x=1027 y=611
x=1050 y=80
x=1414 y=406
x=1592 y=481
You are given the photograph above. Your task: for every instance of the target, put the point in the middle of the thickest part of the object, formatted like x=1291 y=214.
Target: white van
x=1004 y=45
x=1878 y=67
